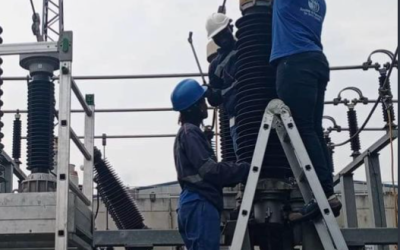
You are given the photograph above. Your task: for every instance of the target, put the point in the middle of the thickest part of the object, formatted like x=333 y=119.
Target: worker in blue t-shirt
x=302 y=77
x=200 y=176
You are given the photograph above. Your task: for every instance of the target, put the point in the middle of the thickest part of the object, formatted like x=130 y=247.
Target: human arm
x=213 y=94
x=201 y=156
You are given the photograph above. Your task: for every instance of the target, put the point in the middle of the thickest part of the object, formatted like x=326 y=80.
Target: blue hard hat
x=187 y=93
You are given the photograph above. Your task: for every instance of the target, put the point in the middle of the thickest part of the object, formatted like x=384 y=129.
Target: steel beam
x=362 y=67
x=375 y=190
x=98 y=137
x=147 y=76
x=138 y=238
x=61 y=234
x=80 y=98
x=79 y=193
x=89 y=145
x=370 y=236
x=19 y=173
x=375 y=193
x=135 y=136
x=75 y=138
x=28 y=48
x=349 y=201
x=376 y=147
x=175 y=75
x=141 y=238
x=80 y=145
x=6 y=175
x=127 y=110
x=17 y=170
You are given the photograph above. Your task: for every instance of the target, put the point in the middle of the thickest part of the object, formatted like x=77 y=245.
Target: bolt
x=65 y=70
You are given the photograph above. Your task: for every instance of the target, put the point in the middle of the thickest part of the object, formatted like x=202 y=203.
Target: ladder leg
x=252 y=180
x=304 y=189
x=311 y=188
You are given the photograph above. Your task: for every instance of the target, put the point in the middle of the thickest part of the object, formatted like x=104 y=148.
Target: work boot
x=311 y=210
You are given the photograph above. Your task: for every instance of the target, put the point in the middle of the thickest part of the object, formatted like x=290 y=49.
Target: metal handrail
x=138 y=110
x=177 y=75
x=80 y=98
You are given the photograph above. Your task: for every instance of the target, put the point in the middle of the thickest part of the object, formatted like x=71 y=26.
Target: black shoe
x=311 y=210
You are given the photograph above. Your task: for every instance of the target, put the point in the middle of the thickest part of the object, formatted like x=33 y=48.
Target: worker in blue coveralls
x=302 y=77
x=223 y=68
x=199 y=175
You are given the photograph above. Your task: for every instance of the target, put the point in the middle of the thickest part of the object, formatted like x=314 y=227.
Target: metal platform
x=152 y=238
x=27 y=221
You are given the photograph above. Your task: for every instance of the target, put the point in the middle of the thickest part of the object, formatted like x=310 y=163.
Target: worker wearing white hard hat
x=222 y=69
x=216 y=23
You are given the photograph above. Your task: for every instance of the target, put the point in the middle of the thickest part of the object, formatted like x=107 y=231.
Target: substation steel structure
x=42 y=217
x=63 y=219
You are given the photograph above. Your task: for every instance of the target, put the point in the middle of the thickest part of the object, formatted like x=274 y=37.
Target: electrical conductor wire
x=375 y=105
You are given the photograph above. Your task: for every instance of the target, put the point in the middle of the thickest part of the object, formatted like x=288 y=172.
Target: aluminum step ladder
x=277 y=116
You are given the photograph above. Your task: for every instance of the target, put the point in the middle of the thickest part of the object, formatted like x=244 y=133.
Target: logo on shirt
x=314 y=5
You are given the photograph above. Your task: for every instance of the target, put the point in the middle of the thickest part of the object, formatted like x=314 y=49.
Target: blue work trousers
x=199 y=225
x=301 y=83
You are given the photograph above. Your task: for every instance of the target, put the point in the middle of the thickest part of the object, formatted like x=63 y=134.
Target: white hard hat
x=212 y=48
x=216 y=23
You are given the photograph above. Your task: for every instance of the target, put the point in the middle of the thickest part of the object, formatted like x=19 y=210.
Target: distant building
x=158 y=204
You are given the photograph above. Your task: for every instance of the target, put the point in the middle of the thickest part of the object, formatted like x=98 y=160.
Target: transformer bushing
x=387 y=104
x=40 y=135
x=256 y=87
x=331 y=151
x=115 y=196
x=353 y=129
x=2 y=169
x=17 y=130
x=227 y=149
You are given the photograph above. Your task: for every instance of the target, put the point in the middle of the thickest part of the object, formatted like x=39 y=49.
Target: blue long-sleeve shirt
x=223 y=83
x=197 y=169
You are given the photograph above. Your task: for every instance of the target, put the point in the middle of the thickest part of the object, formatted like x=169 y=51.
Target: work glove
x=209 y=133
x=214 y=96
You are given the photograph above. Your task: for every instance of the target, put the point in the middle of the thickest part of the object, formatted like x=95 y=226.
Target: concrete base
x=27 y=221
x=39 y=182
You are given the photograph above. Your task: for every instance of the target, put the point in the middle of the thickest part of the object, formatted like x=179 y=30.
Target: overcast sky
x=150 y=37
